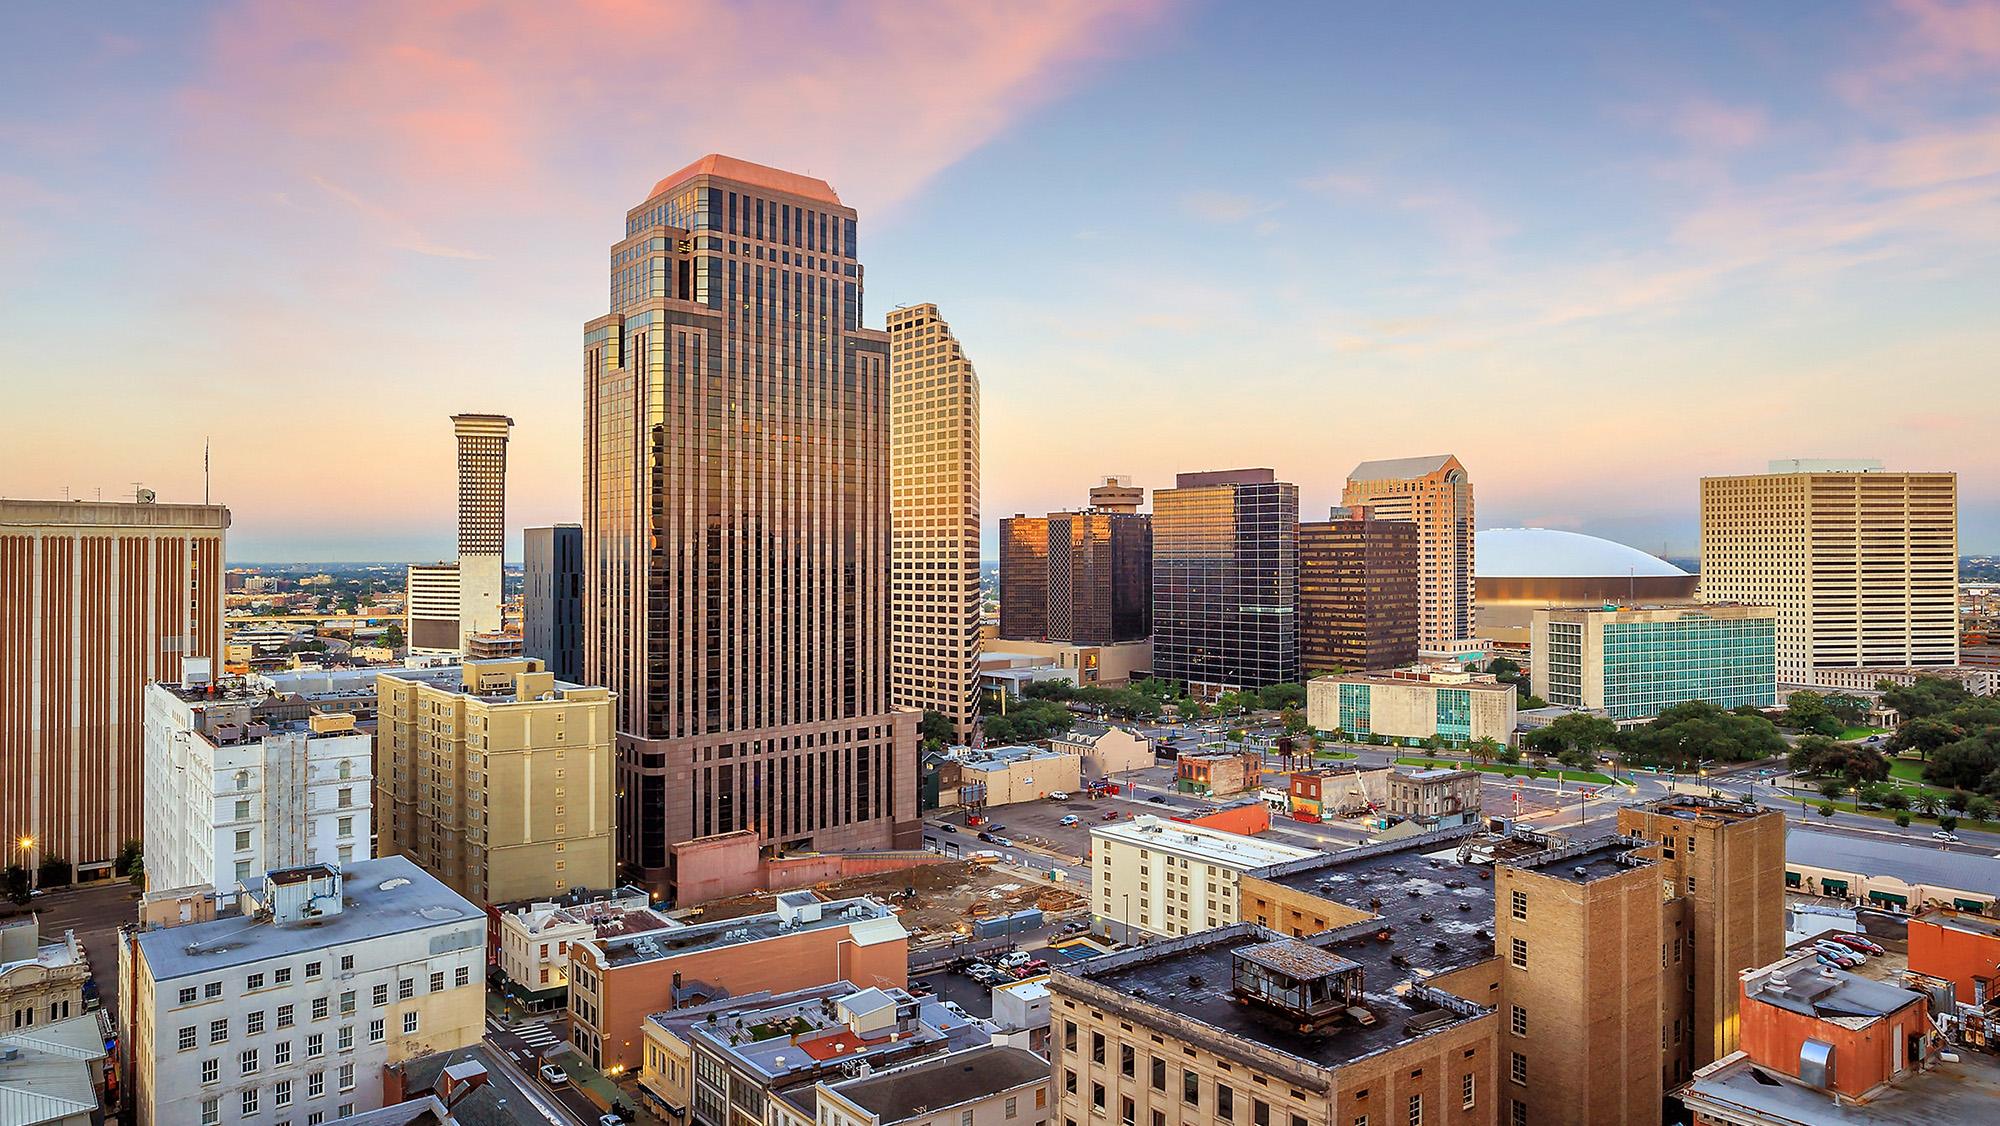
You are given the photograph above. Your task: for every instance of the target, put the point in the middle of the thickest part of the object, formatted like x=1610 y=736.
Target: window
x=1128 y=1114
x=437 y=982
x=284 y=1016
x=1465 y=1092
x=1097 y=1097
x=462 y=976
x=1517 y=1113
x=1069 y=1081
x=312 y=970
x=248 y=1058
x=254 y=981
x=250 y=1101
x=1260 y=1113
x=211 y=1112
x=1013 y=1105
x=344 y=827
x=316 y=1084
x=218 y=1031
x=281 y=975
x=243 y=840
x=347 y=1003
x=1127 y=1060
x=281 y=1053
x=1690 y=885
x=319 y=1008
x=346 y=962
x=184 y=1041
x=243 y=812
x=346 y=1111
x=1097 y=1047
x=211 y=1071
x=1225 y=1103
x=315 y=1046
x=375 y=1031
x=407 y=988
x=281 y=1094
x=1416 y=1110
x=211 y=990
x=409 y=1023
x=1159 y=1074
x=1519 y=1025
x=347 y=1077
x=1521 y=952
x=1520 y=900
x=188 y=995
x=1517 y=1069
x=1190 y=1088
x=1069 y=1036
x=343 y=1040
x=254 y=1023
x=381 y=995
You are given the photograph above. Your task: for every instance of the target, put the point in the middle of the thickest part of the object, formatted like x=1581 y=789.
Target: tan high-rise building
x=737 y=524
x=1862 y=564
x=96 y=600
x=482 y=519
x=496 y=778
x=934 y=639
x=1435 y=494
x=431 y=608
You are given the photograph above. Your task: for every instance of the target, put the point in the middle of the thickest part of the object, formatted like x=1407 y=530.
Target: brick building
x=1216 y=772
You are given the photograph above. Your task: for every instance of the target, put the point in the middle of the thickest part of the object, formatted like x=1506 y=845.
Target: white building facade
x=1153 y=878
x=290 y=1012
x=236 y=785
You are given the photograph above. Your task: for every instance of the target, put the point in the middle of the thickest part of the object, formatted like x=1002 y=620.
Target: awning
x=1888 y=897
x=1972 y=905
x=1833 y=887
x=1793 y=879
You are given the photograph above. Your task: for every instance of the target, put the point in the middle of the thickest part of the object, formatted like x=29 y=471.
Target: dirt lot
x=933 y=900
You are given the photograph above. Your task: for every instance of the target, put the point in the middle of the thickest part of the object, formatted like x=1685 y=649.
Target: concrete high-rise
x=1862 y=564
x=934 y=638
x=482 y=519
x=1357 y=593
x=431 y=609
x=1435 y=494
x=1085 y=577
x=737 y=524
x=1225 y=580
x=96 y=600
x=552 y=599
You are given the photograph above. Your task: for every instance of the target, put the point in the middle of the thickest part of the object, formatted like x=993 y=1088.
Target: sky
x=1596 y=251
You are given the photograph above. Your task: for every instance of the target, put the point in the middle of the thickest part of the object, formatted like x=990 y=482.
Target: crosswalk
x=535 y=1033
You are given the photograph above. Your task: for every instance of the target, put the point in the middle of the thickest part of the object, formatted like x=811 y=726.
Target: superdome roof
x=1545 y=553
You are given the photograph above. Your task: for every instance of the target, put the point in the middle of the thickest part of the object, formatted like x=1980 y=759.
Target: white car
x=1070 y=819
x=1059 y=795
x=1942 y=835
x=610 y=1120
x=554 y=1076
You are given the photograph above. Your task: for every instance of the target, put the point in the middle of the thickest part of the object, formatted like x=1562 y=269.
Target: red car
x=1111 y=815
x=1856 y=942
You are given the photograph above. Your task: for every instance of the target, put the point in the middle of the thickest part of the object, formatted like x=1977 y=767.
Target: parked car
x=1035 y=965
x=1157 y=800
x=1070 y=819
x=994 y=826
x=610 y=1120
x=554 y=1076
x=1845 y=958
x=1856 y=942
x=1829 y=962
x=1945 y=835
x=987 y=837
x=1111 y=815
x=948 y=828
x=1059 y=795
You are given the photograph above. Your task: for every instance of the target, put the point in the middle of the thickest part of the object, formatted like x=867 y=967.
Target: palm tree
x=1485 y=749
x=1926 y=803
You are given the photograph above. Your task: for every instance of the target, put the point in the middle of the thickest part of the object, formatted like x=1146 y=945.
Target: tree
x=1690 y=733
x=1966 y=763
x=1947 y=822
x=1868 y=795
x=1510 y=755
x=1574 y=757
x=1895 y=799
x=1281 y=696
x=53 y=873
x=1924 y=736
x=392 y=637
x=935 y=730
x=1530 y=701
x=129 y=853
x=1826 y=809
x=1925 y=696
x=15 y=885
x=1979 y=808
x=1820 y=756
x=1849 y=710
x=1164 y=691
x=1926 y=803
x=135 y=870
x=1485 y=749
x=1902 y=820
x=1506 y=670
x=1295 y=724
x=1806 y=711
x=1049 y=690
x=1832 y=788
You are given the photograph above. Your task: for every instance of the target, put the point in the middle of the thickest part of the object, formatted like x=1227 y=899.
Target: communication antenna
x=204 y=471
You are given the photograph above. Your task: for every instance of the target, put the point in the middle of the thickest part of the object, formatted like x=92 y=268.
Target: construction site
x=936 y=902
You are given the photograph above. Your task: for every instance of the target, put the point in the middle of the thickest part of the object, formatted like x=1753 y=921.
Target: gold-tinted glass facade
x=737 y=524
x=1357 y=595
x=1225 y=579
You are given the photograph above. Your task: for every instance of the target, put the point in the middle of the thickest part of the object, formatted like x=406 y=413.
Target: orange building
x=1960 y=947
x=616 y=983
x=1245 y=819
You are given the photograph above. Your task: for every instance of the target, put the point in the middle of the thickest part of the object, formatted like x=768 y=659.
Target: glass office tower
x=1225 y=580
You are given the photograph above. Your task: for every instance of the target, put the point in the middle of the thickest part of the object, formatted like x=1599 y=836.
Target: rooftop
x=380 y=898
x=1199 y=841
x=756 y=175
x=782 y=1036
x=1399 y=468
x=1910 y=863
x=1189 y=979
x=1800 y=984
x=1737 y=1089
x=1691 y=808
x=1963 y=921
x=1428 y=891
x=946 y=1081
x=872 y=922
x=45 y=1071
x=1549 y=553
x=490 y=1105
x=1587 y=861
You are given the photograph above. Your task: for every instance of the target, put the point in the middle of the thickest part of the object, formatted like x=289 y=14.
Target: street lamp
x=26 y=847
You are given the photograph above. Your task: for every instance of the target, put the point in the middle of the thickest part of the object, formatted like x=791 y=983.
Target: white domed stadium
x=1520 y=570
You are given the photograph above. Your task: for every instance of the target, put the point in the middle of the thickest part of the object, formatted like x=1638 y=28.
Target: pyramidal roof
x=1400 y=468
x=755 y=175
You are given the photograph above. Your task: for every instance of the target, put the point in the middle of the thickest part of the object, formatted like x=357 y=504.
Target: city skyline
x=1706 y=223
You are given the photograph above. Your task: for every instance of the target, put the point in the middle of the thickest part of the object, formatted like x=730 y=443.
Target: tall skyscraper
x=482 y=518
x=552 y=599
x=96 y=600
x=1435 y=494
x=1225 y=580
x=934 y=559
x=1085 y=578
x=1357 y=593
x=1862 y=564
x=737 y=524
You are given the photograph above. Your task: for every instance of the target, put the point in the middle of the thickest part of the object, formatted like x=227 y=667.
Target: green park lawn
x=1854 y=733
x=1590 y=777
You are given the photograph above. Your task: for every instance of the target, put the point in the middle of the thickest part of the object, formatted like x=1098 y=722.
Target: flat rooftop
x=1800 y=984
x=1697 y=808
x=1966 y=1091
x=378 y=898
x=1960 y=921
x=937 y=1084
x=1426 y=890
x=1198 y=841
x=873 y=922
x=1911 y=863
x=1587 y=861
x=1189 y=978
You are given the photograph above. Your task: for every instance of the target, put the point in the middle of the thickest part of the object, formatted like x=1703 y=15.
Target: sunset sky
x=1594 y=250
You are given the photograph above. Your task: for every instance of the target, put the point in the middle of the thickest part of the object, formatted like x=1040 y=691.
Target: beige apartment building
x=1153 y=878
x=1861 y=563
x=1414 y=704
x=934 y=637
x=496 y=778
x=1435 y=494
x=96 y=600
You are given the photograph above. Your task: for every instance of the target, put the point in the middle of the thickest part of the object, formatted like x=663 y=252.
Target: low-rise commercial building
x=41 y=983
x=1960 y=947
x=1106 y=750
x=293 y=1007
x=534 y=937
x=1008 y=775
x=991 y=1085
x=1021 y=1013
x=616 y=983
x=241 y=780
x=1974 y=679
x=1888 y=874
x=1102 y=666
x=497 y=778
x=1435 y=797
x=1218 y=771
x=1635 y=661
x=53 y=1074
x=1315 y=795
x=1414 y=704
x=1152 y=877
